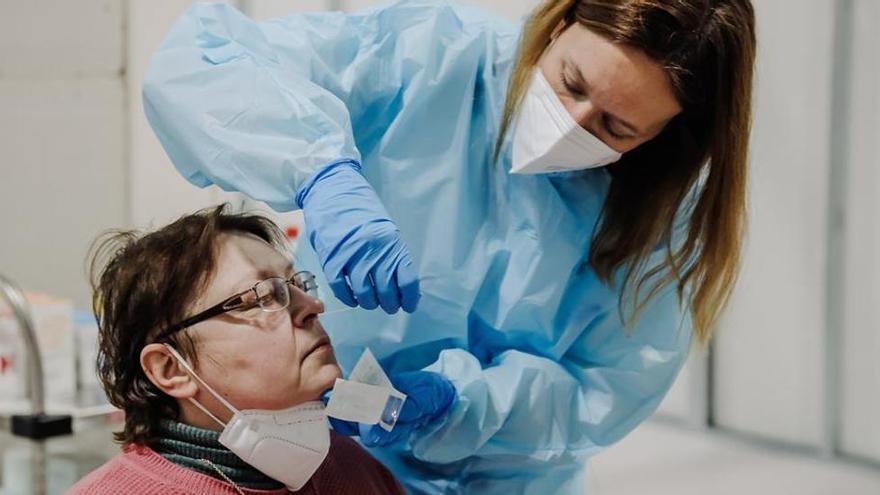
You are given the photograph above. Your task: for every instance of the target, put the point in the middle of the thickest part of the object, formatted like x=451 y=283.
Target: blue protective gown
x=510 y=312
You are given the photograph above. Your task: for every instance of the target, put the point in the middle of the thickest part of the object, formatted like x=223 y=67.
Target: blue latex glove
x=360 y=249
x=428 y=397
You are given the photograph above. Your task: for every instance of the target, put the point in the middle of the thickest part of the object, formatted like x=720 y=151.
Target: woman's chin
x=330 y=372
x=323 y=380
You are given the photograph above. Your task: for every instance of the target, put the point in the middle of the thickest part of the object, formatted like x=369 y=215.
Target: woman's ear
x=166 y=373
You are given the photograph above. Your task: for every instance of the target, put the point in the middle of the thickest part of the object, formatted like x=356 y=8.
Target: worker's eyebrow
x=573 y=72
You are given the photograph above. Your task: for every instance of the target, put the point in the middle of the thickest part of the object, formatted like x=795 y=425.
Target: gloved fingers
x=411 y=382
x=429 y=395
x=408 y=283
x=386 y=289
x=341 y=290
x=385 y=256
x=443 y=397
x=362 y=285
x=376 y=436
x=411 y=410
x=369 y=436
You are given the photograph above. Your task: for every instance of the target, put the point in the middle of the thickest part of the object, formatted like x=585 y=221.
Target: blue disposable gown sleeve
x=542 y=410
x=259 y=107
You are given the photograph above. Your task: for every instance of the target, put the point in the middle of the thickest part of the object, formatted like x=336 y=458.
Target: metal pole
x=835 y=262
x=21 y=311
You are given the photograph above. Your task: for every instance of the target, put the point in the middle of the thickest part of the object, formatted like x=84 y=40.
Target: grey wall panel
x=62 y=131
x=770 y=362
x=45 y=38
x=860 y=349
x=63 y=178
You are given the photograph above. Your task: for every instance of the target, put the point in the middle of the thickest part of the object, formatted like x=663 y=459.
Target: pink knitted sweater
x=348 y=469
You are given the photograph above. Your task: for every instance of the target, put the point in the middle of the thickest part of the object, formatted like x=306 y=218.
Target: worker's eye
x=609 y=128
x=571 y=87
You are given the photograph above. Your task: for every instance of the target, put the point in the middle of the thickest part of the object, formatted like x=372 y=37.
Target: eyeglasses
x=271 y=295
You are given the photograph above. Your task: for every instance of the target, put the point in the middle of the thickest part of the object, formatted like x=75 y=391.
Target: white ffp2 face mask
x=287 y=445
x=547 y=139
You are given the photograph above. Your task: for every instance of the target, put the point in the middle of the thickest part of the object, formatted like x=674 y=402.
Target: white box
x=10 y=369
x=86 y=334
x=53 y=323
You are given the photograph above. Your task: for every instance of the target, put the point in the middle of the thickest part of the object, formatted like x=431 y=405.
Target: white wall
x=267 y=9
x=687 y=401
x=770 y=360
x=860 y=361
x=511 y=9
x=158 y=193
x=62 y=135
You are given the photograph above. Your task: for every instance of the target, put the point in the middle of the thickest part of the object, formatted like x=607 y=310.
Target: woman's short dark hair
x=145 y=282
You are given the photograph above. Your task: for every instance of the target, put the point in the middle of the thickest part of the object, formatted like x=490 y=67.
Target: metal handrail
x=34 y=377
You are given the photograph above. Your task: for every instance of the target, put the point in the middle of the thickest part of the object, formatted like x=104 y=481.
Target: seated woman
x=206 y=328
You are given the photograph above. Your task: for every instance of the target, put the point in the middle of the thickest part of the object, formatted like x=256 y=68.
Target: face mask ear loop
x=206 y=411
x=217 y=396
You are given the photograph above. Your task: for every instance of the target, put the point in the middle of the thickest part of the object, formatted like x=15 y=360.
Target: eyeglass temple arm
x=227 y=305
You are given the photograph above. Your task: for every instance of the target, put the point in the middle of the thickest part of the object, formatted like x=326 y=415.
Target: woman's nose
x=305 y=307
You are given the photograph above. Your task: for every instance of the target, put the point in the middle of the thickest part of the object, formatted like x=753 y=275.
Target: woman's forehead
x=623 y=78
x=243 y=260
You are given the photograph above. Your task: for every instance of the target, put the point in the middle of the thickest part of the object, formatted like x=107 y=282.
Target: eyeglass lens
x=273 y=294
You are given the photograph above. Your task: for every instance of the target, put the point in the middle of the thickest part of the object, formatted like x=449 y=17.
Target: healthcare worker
x=556 y=207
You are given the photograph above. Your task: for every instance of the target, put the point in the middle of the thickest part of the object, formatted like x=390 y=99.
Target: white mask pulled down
x=287 y=445
x=547 y=139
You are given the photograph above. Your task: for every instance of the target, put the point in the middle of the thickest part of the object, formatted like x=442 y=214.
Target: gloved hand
x=360 y=249
x=429 y=396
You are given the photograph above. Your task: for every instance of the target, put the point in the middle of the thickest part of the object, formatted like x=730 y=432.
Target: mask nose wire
x=194 y=402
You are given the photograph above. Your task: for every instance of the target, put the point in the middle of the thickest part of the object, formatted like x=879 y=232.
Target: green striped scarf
x=185 y=445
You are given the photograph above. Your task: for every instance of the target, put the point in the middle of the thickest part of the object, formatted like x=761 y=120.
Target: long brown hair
x=697 y=166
